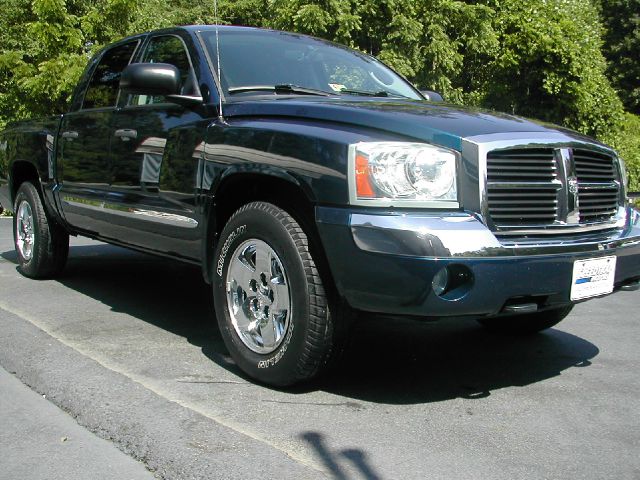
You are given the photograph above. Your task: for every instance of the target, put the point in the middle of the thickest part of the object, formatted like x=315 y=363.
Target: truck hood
x=440 y=124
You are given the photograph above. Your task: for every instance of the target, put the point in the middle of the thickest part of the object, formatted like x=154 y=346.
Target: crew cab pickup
x=311 y=182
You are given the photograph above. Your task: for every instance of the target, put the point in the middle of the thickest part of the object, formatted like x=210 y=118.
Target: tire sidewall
x=279 y=367
x=28 y=267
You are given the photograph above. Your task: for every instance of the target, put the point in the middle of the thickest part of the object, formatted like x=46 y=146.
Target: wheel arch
x=23 y=171
x=284 y=190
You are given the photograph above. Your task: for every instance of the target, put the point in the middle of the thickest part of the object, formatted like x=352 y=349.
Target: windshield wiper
x=370 y=93
x=282 y=88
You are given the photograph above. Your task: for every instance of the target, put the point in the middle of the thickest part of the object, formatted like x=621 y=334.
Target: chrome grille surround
x=546 y=183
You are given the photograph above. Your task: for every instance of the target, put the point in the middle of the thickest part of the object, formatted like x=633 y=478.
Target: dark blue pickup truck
x=311 y=182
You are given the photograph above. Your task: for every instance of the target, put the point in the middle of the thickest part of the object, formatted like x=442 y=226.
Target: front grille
x=598 y=191
x=528 y=187
x=522 y=187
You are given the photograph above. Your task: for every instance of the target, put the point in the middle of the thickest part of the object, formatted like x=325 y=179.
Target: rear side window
x=103 y=87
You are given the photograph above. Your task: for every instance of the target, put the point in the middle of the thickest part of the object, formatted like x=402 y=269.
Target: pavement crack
x=354 y=405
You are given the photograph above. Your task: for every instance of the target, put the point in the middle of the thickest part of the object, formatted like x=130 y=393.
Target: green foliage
x=627 y=142
x=621 y=19
x=46 y=44
x=441 y=45
x=540 y=58
x=43 y=55
x=550 y=65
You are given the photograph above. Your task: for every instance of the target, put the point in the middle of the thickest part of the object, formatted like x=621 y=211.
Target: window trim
x=138 y=42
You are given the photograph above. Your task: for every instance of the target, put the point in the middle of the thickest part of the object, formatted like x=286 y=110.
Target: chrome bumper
x=463 y=235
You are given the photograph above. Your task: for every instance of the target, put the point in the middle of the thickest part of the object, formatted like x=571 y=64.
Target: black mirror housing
x=432 y=96
x=150 y=79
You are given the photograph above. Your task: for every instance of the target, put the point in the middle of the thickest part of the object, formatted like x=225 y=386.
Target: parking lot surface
x=127 y=344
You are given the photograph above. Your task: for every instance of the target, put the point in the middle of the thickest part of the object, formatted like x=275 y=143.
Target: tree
x=438 y=44
x=621 y=19
x=46 y=47
x=550 y=65
x=540 y=58
x=46 y=44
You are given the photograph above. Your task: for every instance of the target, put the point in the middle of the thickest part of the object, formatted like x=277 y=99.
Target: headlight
x=402 y=174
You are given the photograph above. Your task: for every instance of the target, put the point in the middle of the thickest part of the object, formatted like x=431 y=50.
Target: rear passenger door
x=84 y=170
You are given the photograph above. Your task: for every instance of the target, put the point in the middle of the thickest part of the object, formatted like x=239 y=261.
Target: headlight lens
x=396 y=173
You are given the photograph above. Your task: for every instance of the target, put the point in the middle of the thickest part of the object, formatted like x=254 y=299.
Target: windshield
x=264 y=58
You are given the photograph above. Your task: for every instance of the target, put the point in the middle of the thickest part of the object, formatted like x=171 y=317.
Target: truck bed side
x=27 y=151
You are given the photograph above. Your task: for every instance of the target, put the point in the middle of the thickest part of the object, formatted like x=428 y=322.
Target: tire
x=42 y=245
x=528 y=323
x=269 y=299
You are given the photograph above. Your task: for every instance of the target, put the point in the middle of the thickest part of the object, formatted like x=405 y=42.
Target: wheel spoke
x=280 y=296
x=268 y=333
x=263 y=262
x=280 y=322
x=241 y=273
x=24 y=230
x=258 y=296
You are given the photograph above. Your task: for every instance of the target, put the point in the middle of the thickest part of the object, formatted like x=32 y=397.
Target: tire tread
x=320 y=339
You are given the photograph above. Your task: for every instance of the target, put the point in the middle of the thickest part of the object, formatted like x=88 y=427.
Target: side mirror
x=432 y=96
x=150 y=79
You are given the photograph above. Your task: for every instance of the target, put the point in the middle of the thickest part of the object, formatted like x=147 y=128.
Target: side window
x=167 y=49
x=103 y=87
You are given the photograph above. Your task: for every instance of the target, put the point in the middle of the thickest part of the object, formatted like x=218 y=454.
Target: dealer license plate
x=593 y=277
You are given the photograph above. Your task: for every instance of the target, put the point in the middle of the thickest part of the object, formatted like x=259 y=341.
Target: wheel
x=527 y=323
x=270 y=301
x=42 y=246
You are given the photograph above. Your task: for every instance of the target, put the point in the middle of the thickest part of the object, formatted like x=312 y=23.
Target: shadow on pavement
x=392 y=362
x=332 y=460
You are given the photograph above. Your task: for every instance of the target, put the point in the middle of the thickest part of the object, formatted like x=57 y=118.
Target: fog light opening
x=452 y=282
x=440 y=282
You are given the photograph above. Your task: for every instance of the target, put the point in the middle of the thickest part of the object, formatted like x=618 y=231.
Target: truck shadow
x=390 y=362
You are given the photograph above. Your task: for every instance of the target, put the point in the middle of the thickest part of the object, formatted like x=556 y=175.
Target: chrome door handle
x=126 y=133
x=70 y=134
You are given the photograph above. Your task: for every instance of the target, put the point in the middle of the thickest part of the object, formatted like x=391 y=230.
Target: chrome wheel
x=25 y=237
x=258 y=296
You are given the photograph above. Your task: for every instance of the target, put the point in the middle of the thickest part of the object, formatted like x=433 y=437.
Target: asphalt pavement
x=39 y=440
x=125 y=346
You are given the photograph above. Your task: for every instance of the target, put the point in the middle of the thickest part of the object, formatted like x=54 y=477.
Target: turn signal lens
x=363 y=184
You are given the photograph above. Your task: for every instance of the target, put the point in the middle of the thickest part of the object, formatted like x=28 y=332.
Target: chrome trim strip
x=563 y=228
x=569 y=208
x=552 y=185
x=600 y=186
x=162 y=217
x=138 y=213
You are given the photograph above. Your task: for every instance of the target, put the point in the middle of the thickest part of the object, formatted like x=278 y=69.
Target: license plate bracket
x=593 y=277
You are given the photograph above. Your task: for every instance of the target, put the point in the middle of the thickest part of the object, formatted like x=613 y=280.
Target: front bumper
x=386 y=262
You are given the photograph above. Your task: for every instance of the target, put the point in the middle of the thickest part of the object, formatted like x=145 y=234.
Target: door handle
x=126 y=133
x=70 y=134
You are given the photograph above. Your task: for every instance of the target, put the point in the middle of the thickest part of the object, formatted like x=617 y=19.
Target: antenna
x=215 y=18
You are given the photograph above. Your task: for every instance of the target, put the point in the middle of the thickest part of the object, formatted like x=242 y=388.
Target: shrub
x=627 y=143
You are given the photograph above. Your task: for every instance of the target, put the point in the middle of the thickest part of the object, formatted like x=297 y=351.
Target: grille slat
x=522 y=187
x=526 y=187
x=597 y=188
